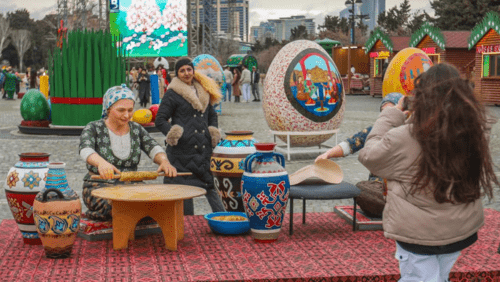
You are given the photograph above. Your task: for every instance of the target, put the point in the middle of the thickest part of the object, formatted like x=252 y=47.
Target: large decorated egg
x=403 y=69
x=303 y=92
x=209 y=66
x=34 y=106
x=142 y=116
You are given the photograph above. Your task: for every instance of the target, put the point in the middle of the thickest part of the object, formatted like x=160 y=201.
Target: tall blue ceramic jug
x=265 y=188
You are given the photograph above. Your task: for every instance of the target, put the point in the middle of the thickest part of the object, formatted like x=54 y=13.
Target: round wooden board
x=149 y=192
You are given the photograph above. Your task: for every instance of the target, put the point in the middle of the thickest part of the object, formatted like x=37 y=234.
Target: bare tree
x=5 y=32
x=225 y=49
x=21 y=39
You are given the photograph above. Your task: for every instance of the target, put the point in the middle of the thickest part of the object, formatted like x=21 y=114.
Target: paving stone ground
x=361 y=111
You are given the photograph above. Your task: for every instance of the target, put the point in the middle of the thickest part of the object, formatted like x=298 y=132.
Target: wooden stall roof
x=490 y=22
x=400 y=42
x=456 y=39
x=428 y=30
x=377 y=35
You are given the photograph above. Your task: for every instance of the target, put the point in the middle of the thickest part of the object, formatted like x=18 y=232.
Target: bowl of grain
x=228 y=223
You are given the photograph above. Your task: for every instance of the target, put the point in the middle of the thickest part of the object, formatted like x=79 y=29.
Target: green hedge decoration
x=85 y=67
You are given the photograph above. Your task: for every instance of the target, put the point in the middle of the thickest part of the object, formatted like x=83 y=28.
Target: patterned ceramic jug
x=57 y=210
x=265 y=192
x=24 y=181
x=226 y=165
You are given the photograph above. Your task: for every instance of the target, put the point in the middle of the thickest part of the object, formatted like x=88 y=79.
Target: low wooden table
x=163 y=202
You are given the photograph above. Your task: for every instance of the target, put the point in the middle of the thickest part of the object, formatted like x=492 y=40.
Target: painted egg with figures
x=403 y=69
x=303 y=92
x=209 y=66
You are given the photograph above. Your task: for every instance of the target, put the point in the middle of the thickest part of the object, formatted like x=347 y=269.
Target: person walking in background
x=34 y=80
x=255 y=77
x=11 y=82
x=437 y=165
x=229 y=80
x=236 y=85
x=161 y=83
x=144 y=88
x=245 y=83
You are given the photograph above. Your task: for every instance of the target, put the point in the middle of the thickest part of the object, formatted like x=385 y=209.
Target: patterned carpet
x=325 y=249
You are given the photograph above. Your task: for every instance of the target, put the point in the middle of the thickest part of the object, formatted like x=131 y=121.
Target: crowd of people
x=13 y=83
x=242 y=83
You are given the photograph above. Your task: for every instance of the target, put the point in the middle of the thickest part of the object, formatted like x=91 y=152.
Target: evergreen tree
x=461 y=15
x=299 y=32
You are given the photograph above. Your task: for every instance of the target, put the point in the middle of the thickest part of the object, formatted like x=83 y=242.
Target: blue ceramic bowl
x=228 y=227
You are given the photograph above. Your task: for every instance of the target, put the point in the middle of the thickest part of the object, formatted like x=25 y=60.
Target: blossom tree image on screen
x=151 y=26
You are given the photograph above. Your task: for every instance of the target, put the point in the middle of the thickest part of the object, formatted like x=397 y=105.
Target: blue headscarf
x=391 y=98
x=113 y=95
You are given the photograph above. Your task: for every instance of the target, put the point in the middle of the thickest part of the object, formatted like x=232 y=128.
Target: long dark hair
x=237 y=79
x=33 y=76
x=449 y=123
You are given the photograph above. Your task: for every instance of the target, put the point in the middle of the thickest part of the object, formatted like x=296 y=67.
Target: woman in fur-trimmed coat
x=192 y=132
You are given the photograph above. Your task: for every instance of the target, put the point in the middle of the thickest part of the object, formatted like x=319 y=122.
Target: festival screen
x=150 y=28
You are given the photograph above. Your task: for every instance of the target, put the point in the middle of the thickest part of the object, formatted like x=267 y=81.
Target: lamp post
x=351 y=4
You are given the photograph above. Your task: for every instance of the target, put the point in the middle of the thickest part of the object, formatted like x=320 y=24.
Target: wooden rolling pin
x=138 y=175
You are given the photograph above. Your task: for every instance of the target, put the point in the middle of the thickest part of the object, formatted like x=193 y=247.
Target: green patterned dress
x=96 y=136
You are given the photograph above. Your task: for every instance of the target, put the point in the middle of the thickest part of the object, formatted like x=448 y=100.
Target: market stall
x=445 y=46
x=485 y=37
x=382 y=48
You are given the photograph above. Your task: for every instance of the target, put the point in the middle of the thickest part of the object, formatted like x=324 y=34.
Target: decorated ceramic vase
x=57 y=211
x=265 y=186
x=23 y=183
x=226 y=165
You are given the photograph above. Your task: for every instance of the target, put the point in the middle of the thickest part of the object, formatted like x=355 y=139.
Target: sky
x=260 y=10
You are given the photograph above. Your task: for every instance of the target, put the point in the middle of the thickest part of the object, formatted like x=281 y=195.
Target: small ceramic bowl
x=228 y=227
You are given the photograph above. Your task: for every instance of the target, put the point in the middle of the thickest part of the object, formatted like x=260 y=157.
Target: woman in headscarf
x=113 y=144
x=192 y=130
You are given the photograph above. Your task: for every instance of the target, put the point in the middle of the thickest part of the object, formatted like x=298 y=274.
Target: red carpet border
x=325 y=249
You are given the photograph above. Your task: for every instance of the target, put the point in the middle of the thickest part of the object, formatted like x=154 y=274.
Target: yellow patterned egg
x=303 y=92
x=403 y=69
x=142 y=116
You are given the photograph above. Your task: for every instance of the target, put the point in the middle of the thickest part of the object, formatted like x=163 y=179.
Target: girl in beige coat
x=436 y=163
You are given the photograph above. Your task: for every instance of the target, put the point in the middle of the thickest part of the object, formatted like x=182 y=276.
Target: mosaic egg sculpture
x=303 y=92
x=154 y=110
x=403 y=69
x=34 y=106
x=142 y=116
x=209 y=66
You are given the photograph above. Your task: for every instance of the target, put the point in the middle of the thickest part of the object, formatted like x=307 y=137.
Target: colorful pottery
x=226 y=165
x=34 y=106
x=57 y=211
x=23 y=183
x=403 y=69
x=303 y=92
x=265 y=186
x=142 y=116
